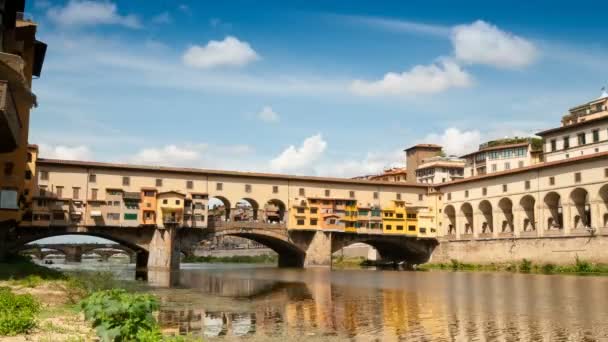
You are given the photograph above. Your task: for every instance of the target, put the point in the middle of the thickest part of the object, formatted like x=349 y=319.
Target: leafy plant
x=18 y=312
x=525 y=266
x=121 y=316
x=583 y=266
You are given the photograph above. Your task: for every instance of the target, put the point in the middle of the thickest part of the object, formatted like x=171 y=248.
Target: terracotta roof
x=441 y=164
x=538 y=166
x=432 y=146
x=572 y=126
x=206 y=172
x=498 y=147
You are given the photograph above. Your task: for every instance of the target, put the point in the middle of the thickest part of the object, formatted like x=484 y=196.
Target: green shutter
x=130 y=216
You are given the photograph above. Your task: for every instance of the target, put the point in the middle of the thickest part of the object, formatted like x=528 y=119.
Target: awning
x=95 y=213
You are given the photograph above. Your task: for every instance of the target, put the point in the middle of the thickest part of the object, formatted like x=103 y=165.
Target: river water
x=238 y=302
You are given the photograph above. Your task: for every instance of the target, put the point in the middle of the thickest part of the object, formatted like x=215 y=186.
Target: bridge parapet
x=229 y=225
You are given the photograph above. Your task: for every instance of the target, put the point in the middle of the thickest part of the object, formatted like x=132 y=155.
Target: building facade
x=502 y=155
x=440 y=170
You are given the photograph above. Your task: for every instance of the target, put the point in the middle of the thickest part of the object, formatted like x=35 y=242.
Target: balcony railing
x=225 y=225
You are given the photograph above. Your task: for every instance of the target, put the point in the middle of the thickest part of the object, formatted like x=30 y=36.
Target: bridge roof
x=207 y=172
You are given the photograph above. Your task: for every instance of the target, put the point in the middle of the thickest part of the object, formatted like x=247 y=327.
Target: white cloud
x=184 y=8
x=455 y=141
x=373 y=163
x=394 y=25
x=162 y=18
x=78 y=152
x=300 y=159
x=88 y=13
x=228 y=52
x=170 y=155
x=267 y=114
x=484 y=43
x=421 y=79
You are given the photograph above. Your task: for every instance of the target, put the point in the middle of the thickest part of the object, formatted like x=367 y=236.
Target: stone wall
x=556 y=250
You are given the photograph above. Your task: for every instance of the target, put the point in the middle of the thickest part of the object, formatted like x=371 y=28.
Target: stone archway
x=487 y=224
x=581 y=210
x=274 y=211
x=450 y=219
x=554 y=215
x=528 y=220
x=467 y=212
x=603 y=205
x=506 y=217
x=245 y=209
x=218 y=209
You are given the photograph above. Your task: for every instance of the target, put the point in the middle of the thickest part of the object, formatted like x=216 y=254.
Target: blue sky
x=309 y=87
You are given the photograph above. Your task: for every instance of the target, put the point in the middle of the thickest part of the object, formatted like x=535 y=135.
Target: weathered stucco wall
x=556 y=250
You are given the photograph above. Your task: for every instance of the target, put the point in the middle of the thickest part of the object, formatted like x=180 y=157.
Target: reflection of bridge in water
x=384 y=306
x=73 y=252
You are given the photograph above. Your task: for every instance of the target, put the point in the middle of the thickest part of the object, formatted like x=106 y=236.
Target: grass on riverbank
x=237 y=259
x=524 y=266
x=58 y=295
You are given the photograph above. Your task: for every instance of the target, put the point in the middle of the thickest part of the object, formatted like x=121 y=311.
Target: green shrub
x=455 y=264
x=525 y=266
x=18 y=312
x=121 y=316
x=583 y=266
x=548 y=268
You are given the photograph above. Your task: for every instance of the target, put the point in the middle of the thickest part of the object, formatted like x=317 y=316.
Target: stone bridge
x=73 y=252
x=160 y=249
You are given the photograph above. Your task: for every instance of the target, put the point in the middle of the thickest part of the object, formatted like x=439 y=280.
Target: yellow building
x=399 y=219
x=21 y=57
x=350 y=217
x=170 y=208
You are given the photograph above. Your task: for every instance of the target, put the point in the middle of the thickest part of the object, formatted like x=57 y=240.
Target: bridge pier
x=318 y=251
x=164 y=250
x=73 y=254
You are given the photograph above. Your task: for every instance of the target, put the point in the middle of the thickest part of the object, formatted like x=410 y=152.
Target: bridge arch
x=485 y=207
x=581 y=214
x=290 y=255
x=390 y=248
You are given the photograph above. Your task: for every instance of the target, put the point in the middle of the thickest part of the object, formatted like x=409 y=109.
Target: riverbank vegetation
x=524 y=266
x=236 y=259
x=42 y=304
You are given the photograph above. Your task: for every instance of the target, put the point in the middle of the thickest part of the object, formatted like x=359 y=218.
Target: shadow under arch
x=289 y=254
x=392 y=248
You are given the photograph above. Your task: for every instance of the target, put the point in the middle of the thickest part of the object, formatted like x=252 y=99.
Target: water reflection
x=267 y=304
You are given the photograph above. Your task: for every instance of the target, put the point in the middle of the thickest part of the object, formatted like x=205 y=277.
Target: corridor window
x=159 y=182
x=581 y=139
x=527 y=185
x=189 y=184
x=44 y=175
x=75 y=193
x=504 y=188
x=577 y=177
x=351 y=194
x=275 y=189
x=420 y=197
x=449 y=196
x=126 y=181
x=219 y=186
x=551 y=180
x=301 y=192
x=484 y=191
x=466 y=193
x=375 y=195
x=327 y=193
x=92 y=178
x=596 y=135
x=398 y=197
